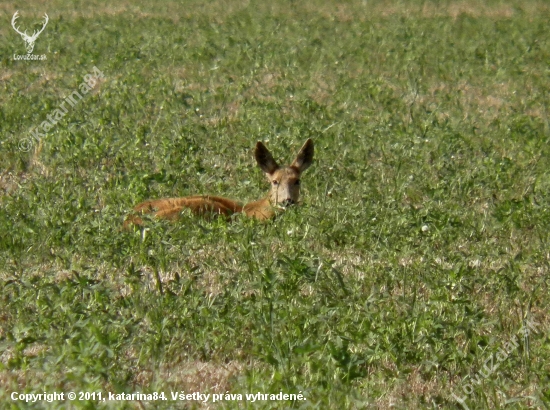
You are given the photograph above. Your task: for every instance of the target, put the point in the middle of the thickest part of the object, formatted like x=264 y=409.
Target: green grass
x=421 y=246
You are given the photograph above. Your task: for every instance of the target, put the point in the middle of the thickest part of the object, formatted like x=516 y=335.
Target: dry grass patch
x=220 y=10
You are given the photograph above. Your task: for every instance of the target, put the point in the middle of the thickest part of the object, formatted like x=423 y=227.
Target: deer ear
x=305 y=157
x=265 y=159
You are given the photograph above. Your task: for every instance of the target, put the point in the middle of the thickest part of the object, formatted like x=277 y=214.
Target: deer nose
x=287 y=202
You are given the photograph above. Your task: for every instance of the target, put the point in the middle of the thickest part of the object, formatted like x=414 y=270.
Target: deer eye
x=297 y=182
x=275 y=182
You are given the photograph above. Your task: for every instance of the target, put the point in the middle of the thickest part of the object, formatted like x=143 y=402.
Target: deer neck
x=261 y=209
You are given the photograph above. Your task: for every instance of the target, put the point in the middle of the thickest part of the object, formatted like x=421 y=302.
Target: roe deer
x=285 y=191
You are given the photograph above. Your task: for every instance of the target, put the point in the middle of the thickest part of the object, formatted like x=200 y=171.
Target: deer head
x=285 y=181
x=29 y=40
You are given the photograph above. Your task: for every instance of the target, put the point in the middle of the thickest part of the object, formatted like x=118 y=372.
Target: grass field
x=408 y=275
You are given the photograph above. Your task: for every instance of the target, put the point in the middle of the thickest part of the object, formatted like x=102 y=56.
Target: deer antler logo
x=29 y=40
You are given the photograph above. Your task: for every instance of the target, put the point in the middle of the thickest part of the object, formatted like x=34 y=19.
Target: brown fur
x=285 y=191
